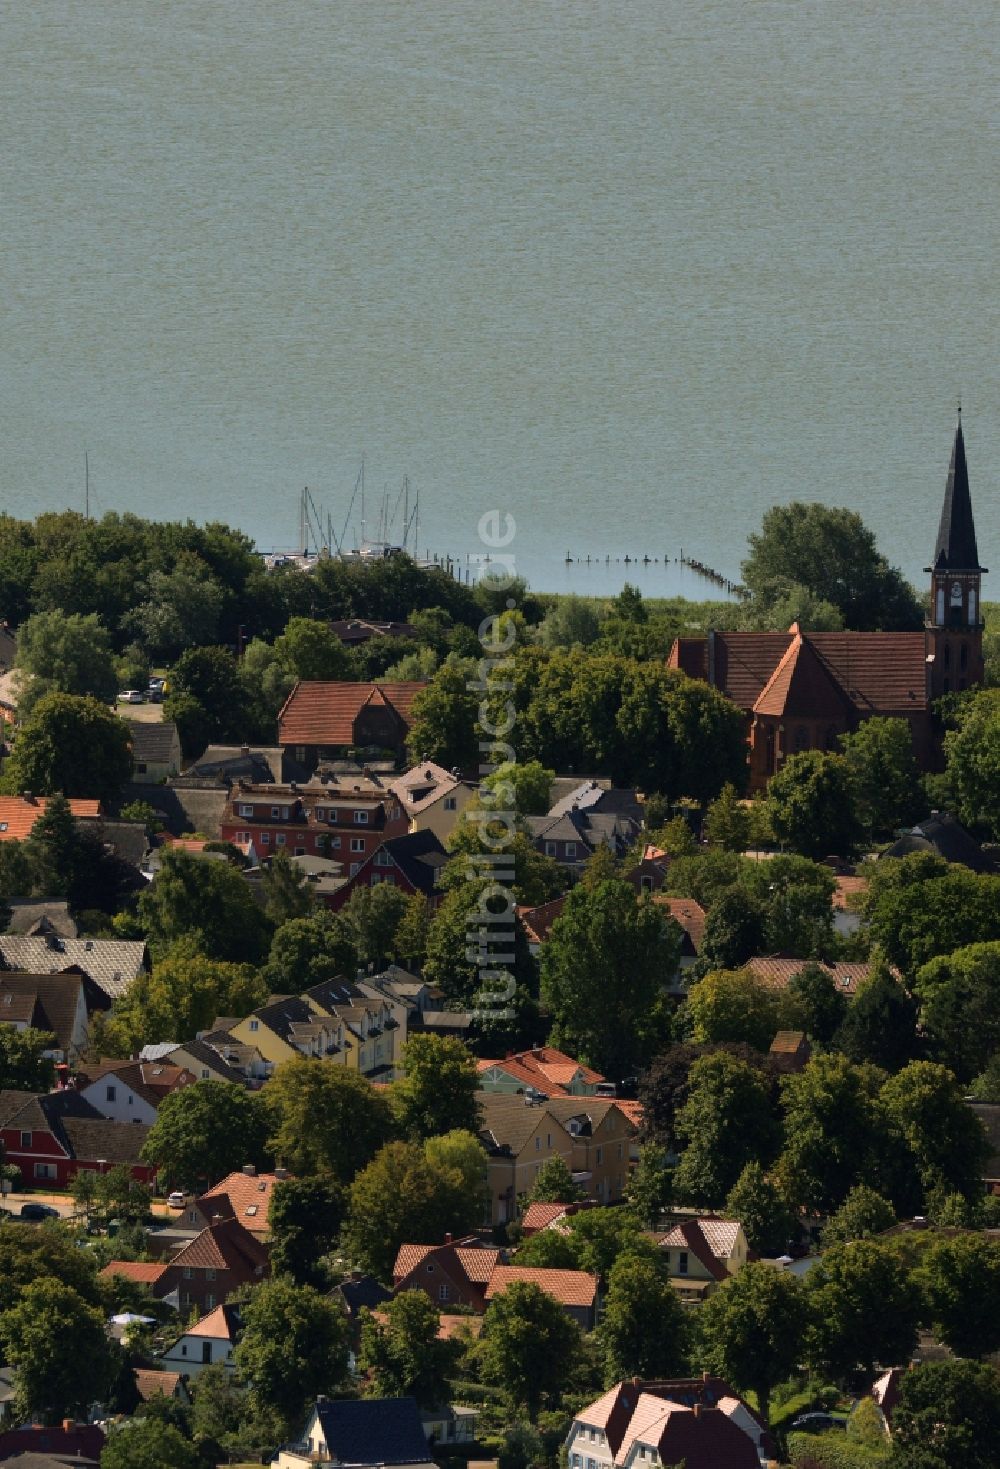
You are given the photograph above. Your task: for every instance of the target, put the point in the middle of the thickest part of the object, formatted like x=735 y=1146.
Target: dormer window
x=246 y=811
x=361 y=818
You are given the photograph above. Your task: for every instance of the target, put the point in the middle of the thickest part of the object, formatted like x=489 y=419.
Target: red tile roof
x=802 y=686
x=224 y=1246
x=152 y=1384
x=18 y=816
x=234 y=1197
x=222 y=1324
x=568 y=1287
x=688 y=914
x=846 y=889
x=540 y=1216
x=777 y=972
x=143 y=1272
x=688 y=1235
x=466 y=1257
x=321 y=713
x=537 y=922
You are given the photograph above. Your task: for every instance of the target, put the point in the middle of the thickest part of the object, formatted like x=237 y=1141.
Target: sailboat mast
x=86 y=485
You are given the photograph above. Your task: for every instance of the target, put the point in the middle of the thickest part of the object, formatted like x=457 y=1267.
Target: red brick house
x=217 y=1262
x=322 y=720
x=52 y=1138
x=802 y=691
x=452 y=1274
x=344 y=822
x=411 y=863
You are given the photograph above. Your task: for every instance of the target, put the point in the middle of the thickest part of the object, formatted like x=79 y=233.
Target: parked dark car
x=816 y=1422
x=36 y=1213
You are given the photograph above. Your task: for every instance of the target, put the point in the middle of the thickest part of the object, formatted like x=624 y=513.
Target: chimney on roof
x=68 y=1425
x=447 y=1238
x=27 y=796
x=636 y=1381
x=697 y=1410
x=244 y=750
x=250 y=1170
x=281 y=1174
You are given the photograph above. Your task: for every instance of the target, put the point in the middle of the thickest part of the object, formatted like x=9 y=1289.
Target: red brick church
x=801 y=691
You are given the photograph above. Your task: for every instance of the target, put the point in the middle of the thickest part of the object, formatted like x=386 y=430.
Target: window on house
x=186 y=1272
x=621 y=1150
x=332 y=816
x=383 y=859
x=246 y=811
x=450 y=803
x=209 y=1274
x=355 y=868
x=206 y=1351
x=600 y=1155
x=646 y=884
x=571 y=849
x=184 y=1350
x=550 y=849
x=682 y=1262
x=538 y=1145
x=361 y=818
x=25 y=1139
x=45 y=1170
x=334 y=843
x=209 y=1301
x=593 y=1435
x=275 y=812
x=140 y=768
x=255 y=1025
x=205 y=1073
x=319 y=813
x=357 y=844
x=265 y=838
x=280 y=839
x=112 y=1093
x=443 y=1292
x=299 y=852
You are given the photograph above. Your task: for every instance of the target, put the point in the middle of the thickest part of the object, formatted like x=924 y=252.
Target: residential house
x=210 y=1342
x=625 y=1425
x=573 y=836
x=600 y=797
x=518 y=1139
x=288 y=1026
x=537 y=922
x=803 y=691
x=41 y=916
x=18 y=814
x=217 y=1262
x=453 y=1274
x=543 y=1069
x=53 y=1137
x=113 y=964
x=8 y=1390
x=433 y=798
x=323 y=720
x=776 y=971
x=245 y=1196
x=258 y=764
x=701 y=1253
x=886 y=1392
x=357 y=631
x=411 y=863
x=601 y=1134
x=156 y=750
x=371 y=1038
x=650 y=872
x=146 y=1273
x=246 y=1062
x=690 y=919
x=79 y=1444
x=202 y=1060
x=151 y=1382
x=62 y=1004
x=130 y=1091
x=345 y=823
x=363 y=1433
x=575 y=1290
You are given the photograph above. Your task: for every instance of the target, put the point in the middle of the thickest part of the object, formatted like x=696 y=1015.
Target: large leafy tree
x=208 y=700
x=752 y=1330
x=810 y=804
x=206 y=1130
x=404 y=1196
x=306 y=951
x=148 y=1443
x=182 y=608
x=884 y=779
x=948 y=1417
x=866 y=1308
x=325 y=1119
x=58 y=654
x=27 y=1255
x=734 y=1005
x=443 y=719
x=70 y=744
x=863 y=1213
x=304 y=1221
x=880 y=1024
x=437 y=1092
x=24 y=1067
x=831 y=555
x=959 y=997
x=795 y=895
x=756 y=1201
x=920 y=908
x=182 y=996
x=312 y=650
x=961 y=1282
x=609 y=953
x=821 y=1005
x=834 y=1131
x=973 y=752
x=402 y=1354
x=644 y=1330
x=294 y=1346
x=207 y=902
x=34 y=1330
x=529 y=1346
x=945 y=1138
x=734 y=930
x=725 y=1123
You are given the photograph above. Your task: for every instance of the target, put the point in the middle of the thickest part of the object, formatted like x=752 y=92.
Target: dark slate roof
x=419 y=856
x=374 y=1431
x=155 y=744
x=261 y=764
x=942 y=835
x=115 y=1142
x=127 y=839
x=365 y=1291
x=956 y=546
x=40 y=916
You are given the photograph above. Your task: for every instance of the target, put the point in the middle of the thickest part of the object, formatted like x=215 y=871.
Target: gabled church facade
x=802 y=691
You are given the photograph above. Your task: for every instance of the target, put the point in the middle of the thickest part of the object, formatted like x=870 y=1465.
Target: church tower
x=954 y=626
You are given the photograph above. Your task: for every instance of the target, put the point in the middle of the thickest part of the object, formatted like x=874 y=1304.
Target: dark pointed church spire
x=956 y=548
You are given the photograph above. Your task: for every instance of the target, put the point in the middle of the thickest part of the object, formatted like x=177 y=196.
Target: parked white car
x=131 y=696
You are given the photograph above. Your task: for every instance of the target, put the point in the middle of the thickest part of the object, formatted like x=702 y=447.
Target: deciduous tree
x=60 y=654
x=325 y=1119
x=304 y=1222
x=529 y=1346
x=752 y=1330
x=725 y=1123
x=945 y=1138
x=644 y=1329
x=70 y=744
x=209 y=902
x=148 y=1443
x=206 y=1130
x=863 y=1213
x=437 y=1091
x=734 y=1005
x=961 y=1282
x=554 y=1184
x=294 y=1346
x=883 y=774
x=959 y=996
x=51 y=1381
x=834 y=1131
x=810 y=804
x=948 y=1416
x=402 y=1356
x=756 y=1201
x=866 y=1308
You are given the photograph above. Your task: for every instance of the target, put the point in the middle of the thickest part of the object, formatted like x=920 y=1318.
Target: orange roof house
x=245 y=1196
x=575 y=1290
x=142 y=1272
x=802 y=690
x=324 y=718
x=18 y=814
x=221 y=1258
x=453 y=1274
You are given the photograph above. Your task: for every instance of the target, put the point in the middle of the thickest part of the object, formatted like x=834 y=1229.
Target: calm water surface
x=634 y=271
